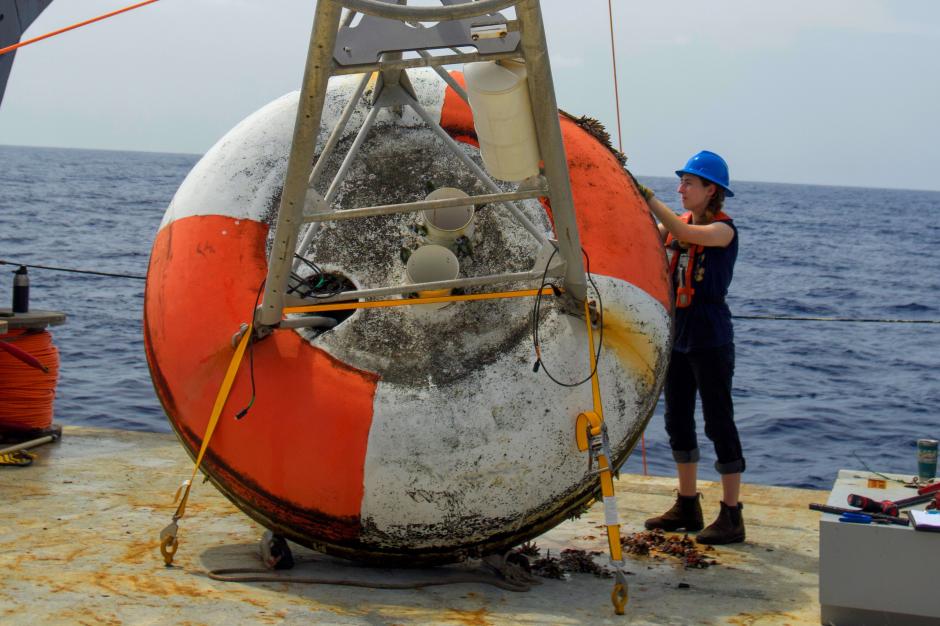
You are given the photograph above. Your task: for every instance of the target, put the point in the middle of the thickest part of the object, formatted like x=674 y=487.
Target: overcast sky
x=841 y=92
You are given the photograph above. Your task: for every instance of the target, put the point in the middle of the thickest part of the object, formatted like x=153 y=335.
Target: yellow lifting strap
x=168 y=541
x=590 y=433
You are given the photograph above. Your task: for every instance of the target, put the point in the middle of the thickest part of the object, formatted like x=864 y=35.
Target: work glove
x=645 y=191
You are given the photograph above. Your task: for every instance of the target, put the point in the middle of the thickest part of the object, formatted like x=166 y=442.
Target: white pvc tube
x=502 y=115
x=429 y=264
x=445 y=226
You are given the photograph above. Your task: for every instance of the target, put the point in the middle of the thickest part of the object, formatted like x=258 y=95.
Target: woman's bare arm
x=716 y=234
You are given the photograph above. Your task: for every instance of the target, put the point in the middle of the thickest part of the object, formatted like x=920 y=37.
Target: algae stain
x=633 y=347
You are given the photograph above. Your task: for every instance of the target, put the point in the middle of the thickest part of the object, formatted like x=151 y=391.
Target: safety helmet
x=709 y=166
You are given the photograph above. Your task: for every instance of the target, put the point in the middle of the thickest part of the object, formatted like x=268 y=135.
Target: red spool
x=27 y=393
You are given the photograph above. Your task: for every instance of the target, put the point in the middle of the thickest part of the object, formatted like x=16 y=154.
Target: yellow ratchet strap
x=168 y=541
x=168 y=536
x=591 y=437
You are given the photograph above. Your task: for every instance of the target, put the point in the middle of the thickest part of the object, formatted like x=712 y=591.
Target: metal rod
x=476 y=281
x=447 y=78
x=486 y=180
x=303 y=145
x=351 y=155
x=29 y=444
x=308 y=322
x=427 y=14
x=423 y=205
x=327 y=152
x=430 y=61
x=337 y=133
x=548 y=131
x=338 y=179
x=380 y=304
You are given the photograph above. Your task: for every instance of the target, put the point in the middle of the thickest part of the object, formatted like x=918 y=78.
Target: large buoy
x=403 y=434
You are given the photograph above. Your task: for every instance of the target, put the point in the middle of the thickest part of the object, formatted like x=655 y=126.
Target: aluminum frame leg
x=303 y=146
x=548 y=131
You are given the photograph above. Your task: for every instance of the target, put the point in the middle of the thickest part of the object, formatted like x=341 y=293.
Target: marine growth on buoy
x=400 y=433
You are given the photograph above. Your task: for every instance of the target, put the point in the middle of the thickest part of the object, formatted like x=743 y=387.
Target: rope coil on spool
x=29 y=371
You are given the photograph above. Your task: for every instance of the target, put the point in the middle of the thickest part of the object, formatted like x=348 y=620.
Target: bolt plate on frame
x=374 y=36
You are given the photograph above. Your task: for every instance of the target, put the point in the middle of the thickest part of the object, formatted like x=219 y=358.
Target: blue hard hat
x=709 y=166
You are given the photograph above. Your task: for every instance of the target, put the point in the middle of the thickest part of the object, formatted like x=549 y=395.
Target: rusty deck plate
x=78 y=544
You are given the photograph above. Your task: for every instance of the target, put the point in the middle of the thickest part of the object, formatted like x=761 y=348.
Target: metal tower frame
x=388 y=29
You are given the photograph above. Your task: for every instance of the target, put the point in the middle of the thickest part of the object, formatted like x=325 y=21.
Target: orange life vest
x=684 y=290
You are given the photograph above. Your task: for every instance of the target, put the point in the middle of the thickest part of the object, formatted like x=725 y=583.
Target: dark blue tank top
x=707 y=322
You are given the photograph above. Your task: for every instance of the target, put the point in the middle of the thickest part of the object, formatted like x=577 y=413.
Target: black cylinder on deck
x=21 y=290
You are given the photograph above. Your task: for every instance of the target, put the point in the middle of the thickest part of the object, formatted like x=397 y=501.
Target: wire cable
x=853 y=320
x=251 y=357
x=327 y=285
x=72 y=270
x=868 y=469
x=536 y=310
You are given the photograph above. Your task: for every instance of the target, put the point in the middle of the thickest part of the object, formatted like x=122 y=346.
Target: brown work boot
x=685 y=514
x=728 y=528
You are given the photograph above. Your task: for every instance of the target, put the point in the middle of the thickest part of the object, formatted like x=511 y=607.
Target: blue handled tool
x=855 y=518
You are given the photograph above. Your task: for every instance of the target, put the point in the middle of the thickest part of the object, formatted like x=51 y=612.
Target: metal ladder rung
x=429 y=61
x=474 y=281
x=425 y=205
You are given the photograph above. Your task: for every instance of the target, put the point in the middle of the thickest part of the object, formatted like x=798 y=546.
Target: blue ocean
x=811 y=396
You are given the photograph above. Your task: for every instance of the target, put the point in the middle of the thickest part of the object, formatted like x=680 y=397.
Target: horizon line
x=760 y=182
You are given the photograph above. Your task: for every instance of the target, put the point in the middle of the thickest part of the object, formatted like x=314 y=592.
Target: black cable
x=856 y=320
x=317 y=285
x=74 y=271
x=251 y=356
x=536 y=308
x=338 y=288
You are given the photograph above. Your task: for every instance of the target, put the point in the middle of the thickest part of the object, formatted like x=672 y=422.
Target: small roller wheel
x=275 y=553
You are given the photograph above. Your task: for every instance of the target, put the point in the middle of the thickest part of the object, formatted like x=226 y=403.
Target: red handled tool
x=893 y=507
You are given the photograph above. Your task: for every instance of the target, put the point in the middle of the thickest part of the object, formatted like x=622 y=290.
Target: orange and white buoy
x=400 y=434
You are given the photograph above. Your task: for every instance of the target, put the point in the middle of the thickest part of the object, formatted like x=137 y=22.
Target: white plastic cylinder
x=431 y=263
x=445 y=226
x=502 y=115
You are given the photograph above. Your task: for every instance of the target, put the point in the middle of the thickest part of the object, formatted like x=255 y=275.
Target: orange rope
x=73 y=26
x=613 y=57
x=26 y=393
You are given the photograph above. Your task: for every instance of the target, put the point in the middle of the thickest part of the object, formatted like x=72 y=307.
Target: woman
x=702 y=246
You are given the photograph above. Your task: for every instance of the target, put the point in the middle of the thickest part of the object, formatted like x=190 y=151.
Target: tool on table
x=893 y=507
x=875 y=517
